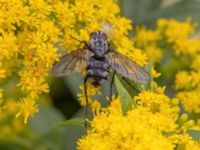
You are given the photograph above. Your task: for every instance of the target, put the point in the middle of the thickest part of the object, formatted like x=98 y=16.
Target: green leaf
x=15 y=142
x=74 y=133
x=181 y=10
x=45 y=120
x=73 y=82
x=126 y=99
x=12 y=146
x=195 y=134
x=43 y=135
x=75 y=122
x=139 y=10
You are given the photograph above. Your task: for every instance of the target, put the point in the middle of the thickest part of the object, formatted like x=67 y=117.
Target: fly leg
x=111 y=85
x=86 y=97
x=130 y=85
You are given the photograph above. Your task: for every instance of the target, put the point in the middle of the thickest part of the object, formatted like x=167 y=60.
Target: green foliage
x=148 y=11
x=42 y=135
x=76 y=122
x=127 y=100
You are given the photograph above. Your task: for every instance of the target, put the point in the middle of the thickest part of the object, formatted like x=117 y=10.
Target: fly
x=97 y=58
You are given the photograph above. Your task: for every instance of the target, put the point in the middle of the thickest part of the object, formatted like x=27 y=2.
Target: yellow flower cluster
x=180 y=47
x=168 y=32
x=178 y=34
x=27 y=48
x=10 y=127
x=153 y=124
x=187 y=80
x=147 y=40
x=156 y=118
x=32 y=31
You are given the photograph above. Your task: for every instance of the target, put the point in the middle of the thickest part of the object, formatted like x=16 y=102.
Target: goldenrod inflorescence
x=31 y=32
x=155 y=121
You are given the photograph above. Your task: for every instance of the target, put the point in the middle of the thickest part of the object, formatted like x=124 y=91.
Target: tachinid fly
x=98 y=58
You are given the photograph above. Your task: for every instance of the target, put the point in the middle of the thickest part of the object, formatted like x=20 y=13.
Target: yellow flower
x=40 y=8
x=95 y=105
x=91 y=91
x=195 y=77
x=154 y=73
x=83 y=35
x=84 y=10
x=190 y=100
x=158 y=89
x=2 y=73
x=125 y=47
x=175 y=30
x=153 y=53
x=187 y=80
x=139 y=57
x=115 y=131
x=183 y=80
x=185 y=141
x=187 y=46
x=51 y=31
x=144 y=36
x=33 y=32
x=196 y=63
x=36 y=40
x=104 y=7
x=64 y=14
x=120 y=26
x=11 y=13
x=93 y=26
x=27 y=108
x=8 y=45
x=46 y=54
x=33 y=82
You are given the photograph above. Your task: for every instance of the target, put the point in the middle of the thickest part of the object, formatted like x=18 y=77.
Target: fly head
x=98 y=44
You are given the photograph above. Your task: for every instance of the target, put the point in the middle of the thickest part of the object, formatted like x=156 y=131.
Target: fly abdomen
x=97 y=76
x=97 y=71
x=98 y=64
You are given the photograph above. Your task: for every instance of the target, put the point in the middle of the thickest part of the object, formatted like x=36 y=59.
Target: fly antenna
x=76 y=39
x=84 y=42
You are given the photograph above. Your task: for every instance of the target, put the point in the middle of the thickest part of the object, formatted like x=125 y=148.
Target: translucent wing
x=127 y=68
x=75 y=61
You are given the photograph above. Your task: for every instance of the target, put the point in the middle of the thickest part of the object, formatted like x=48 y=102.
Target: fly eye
x=94 y=38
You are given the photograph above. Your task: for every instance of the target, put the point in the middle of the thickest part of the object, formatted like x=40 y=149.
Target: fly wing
x=75 y=61
x=126 y=68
